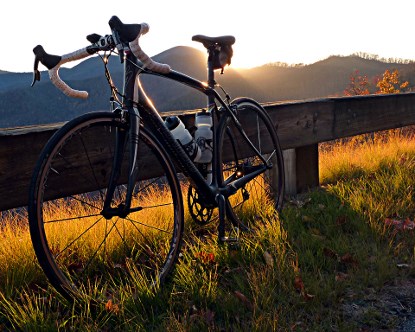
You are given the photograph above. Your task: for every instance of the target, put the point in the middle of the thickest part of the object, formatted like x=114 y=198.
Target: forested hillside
x=21 y=104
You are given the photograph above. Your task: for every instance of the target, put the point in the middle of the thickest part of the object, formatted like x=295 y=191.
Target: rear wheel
x=262 y=197
x=82 y=252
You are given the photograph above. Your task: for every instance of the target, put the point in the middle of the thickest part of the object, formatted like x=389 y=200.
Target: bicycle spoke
x=255 y=133
x=91 y=167
x=84 y=202
x=69 y=164
x=79 y=236
x=72 y=238
x=155 y=206
x=96 y=251
x=73 y=218
x=149 y=226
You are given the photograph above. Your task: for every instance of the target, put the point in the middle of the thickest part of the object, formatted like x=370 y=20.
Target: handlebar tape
x=143 y=57
x=57 y=81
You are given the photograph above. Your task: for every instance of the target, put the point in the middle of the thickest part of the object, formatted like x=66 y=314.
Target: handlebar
x=123 y=35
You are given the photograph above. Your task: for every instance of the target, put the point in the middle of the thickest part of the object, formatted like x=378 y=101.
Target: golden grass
x=363 y=152
x=17 y=258
x=327 y=250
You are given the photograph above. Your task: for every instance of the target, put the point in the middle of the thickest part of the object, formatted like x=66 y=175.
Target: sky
x=291 y=31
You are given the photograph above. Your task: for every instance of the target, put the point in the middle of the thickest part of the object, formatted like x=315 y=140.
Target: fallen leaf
x=300 y=203
x=306 y=218
x=120 y=266
x=112 y=307
x=193 y=310
x=295 y=325
x=298 y=284
x=398 y=224
x=316 y=234
x=205 y=257
x=243 y=299
x=349 y=259
x=340 y=276
x=341 y=220
x=408 y=224
x=268 y=259
x=403 y=159
x=330 y=253
x=308 y=297
x=315 y=231
x=209 y=317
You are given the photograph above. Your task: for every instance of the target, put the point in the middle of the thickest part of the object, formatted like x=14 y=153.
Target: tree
x=391 y=83
x=358 y=85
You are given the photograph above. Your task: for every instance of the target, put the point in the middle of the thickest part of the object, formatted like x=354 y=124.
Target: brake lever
x=48 y=60
x=118 y=44
x=36 y=72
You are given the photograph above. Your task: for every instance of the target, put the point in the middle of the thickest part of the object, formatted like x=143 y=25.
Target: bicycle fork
x=122 y=137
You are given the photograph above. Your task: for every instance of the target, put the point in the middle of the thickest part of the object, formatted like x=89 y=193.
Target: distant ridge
x=22 y=105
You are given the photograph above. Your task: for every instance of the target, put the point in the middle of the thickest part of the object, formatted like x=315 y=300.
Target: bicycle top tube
x=124 y=40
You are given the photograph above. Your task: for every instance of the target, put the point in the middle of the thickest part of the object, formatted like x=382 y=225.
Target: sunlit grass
x=377 y=177
x=364 y=153
x=298 y=271
x=99 y=253
x=17 y=257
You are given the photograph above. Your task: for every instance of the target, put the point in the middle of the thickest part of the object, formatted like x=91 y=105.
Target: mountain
x=21 y=104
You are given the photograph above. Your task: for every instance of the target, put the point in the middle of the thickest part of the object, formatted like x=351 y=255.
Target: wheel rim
x=85 y=253
x=257 y=201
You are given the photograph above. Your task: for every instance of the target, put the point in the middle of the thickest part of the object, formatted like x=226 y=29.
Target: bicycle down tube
x=150 y=113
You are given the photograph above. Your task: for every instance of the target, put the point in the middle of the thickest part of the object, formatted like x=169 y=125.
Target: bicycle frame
x=138 y=106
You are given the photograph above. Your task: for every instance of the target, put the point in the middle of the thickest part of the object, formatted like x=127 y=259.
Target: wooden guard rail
x=301 y=126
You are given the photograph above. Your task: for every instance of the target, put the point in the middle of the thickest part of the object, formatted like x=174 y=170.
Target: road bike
x=106 y=204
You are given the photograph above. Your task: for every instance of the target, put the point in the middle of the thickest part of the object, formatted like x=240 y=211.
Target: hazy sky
x=292 y=31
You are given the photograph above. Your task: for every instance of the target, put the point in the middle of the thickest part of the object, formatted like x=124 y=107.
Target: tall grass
x=299 y=271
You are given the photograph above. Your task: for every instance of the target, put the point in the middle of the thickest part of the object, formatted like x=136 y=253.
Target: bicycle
x=106 y=206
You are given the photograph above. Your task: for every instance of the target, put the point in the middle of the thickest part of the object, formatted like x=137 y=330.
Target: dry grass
x=329 y=251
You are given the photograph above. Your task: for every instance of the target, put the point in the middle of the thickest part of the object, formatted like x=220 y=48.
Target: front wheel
x=262 y=197
x=82 y=250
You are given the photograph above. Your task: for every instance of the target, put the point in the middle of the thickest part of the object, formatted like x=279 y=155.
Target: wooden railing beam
x=301 y=125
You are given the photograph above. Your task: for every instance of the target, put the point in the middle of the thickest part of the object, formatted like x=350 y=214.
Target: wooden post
x=301 y=169
x=290 y=169
x=307 y=167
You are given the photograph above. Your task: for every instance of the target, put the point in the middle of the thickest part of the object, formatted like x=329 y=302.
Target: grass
x=334 y=260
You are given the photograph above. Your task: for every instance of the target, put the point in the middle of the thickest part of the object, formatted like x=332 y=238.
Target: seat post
x=211 y=71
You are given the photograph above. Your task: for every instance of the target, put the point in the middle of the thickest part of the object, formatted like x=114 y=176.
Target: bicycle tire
x=262 y=197
x=82 y=253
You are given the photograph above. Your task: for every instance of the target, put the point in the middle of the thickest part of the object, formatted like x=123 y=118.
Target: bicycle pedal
x=229 y=240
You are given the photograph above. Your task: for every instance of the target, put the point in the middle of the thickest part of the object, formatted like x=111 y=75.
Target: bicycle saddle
x=212 y=41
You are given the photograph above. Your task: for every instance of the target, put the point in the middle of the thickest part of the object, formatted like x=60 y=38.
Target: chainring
x=200 y=213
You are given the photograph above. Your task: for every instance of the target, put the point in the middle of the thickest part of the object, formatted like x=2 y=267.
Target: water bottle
x=203 y=137
x=180 y=133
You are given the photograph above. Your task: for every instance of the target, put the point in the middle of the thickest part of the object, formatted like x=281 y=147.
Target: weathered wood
x=290 y=169
x=301 y=169
x=302 y=123
x=299 y=124
x=306 y=163
x=19 y=150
